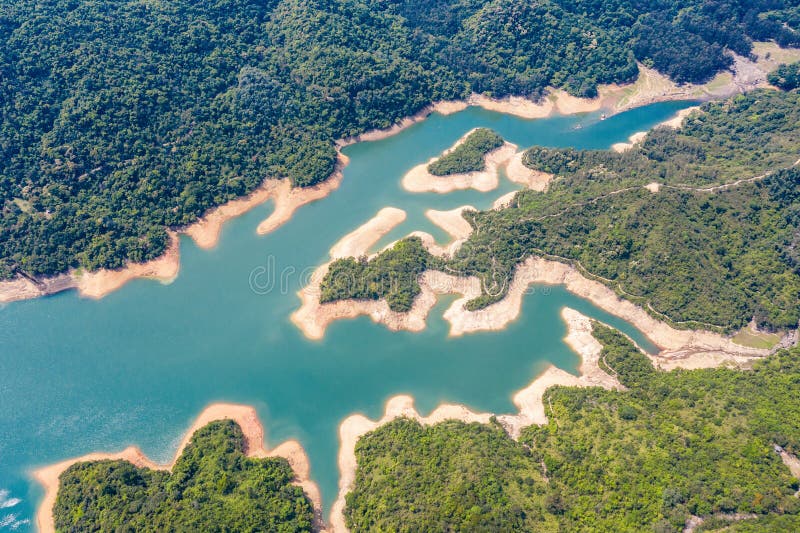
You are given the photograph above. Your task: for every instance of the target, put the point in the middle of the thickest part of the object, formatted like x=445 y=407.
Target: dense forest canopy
x=698 y=257
x=120 y=119
x=469 y=156
x=673 y=445
x=213 y=486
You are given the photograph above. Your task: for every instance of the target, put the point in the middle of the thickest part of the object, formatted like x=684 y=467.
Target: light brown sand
x=452 y=221
x=359 y=241
x=529 y=402
x=679 y=348
x=649 y=88
x=505 y=201
x=102 y=282
x=519 y=173
x=289 y=198
x=98 y=283
x=253 y=431
x=313 y=317
x=418 y=179
x=21 y=288
x=674 y=123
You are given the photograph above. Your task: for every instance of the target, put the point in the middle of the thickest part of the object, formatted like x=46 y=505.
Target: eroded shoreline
x=253 y=431
x=678 y=348
x=650 y=87
x=529 y=402
x=419 y=179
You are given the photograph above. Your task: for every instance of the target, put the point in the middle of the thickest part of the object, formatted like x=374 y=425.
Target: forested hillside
x=120 y=119
x=212 y=487
x=702 y=257
x=674 y=445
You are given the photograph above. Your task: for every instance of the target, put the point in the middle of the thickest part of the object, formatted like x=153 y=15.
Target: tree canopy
x=673 y=445
x=691 y=254
x=120 y=119
x=213 y=486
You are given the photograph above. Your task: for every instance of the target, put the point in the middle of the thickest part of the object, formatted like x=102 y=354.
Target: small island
x=679 y=224
x=473 y=162
x=469 y=155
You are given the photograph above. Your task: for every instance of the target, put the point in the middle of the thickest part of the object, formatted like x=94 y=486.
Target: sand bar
x=419 y=179
x=253 y=431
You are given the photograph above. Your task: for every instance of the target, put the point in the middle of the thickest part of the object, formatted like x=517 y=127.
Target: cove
x=136 y=367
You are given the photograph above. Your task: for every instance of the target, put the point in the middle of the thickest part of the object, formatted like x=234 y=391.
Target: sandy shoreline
x=649 y=88
x=253 y=431
x=313 y=317
x=420 y=180
x=678 y=348
x=517 y=172
x=99 y=283
x=673 y=123
x=528 y=401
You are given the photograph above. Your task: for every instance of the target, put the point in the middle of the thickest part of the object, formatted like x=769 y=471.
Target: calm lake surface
x=137 y=367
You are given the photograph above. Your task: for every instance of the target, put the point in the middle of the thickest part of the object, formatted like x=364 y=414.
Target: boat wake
x=10 y=521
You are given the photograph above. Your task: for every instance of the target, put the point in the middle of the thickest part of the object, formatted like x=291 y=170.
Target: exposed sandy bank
x=98 y=283
x=288 y=199
x=519 y=173
x=452 y=221
x=505 y=201
x=314 y=317
x=253 y=431
x=21 y=288
x=674 y=123
x=418 y=179
x=528 y=400
x=359 y=241
x=650 y=87
x=102 y=282
x=747 y=75
x=679 y=348
x=205 y=233
x=456 y=226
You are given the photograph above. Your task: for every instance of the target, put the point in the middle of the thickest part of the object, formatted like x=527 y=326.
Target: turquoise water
x=136 y=367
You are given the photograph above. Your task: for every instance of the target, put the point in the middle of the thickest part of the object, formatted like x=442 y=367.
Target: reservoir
x=136 y=367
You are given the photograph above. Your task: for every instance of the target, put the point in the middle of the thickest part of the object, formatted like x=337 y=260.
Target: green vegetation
x=447 y=477
x=673 y=445
x=747 y=337
x=786 y=77
x=392 y=275
x=469 y=155
x=713 y=258
x=213 y=487
x=120 y=119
